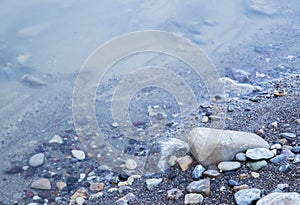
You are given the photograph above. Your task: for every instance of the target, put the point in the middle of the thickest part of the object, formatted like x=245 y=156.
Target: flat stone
x=61 y=185
x=130 y=164
x=152 y=183
x=202 y=187
x=97 y=186
x=276 y=146
x=125 y=199
x=41 y=183
x=289 y=135
x=193 y=198
x=229 y=166
x=233 y=183
x=247 y=196
x=259 y=153
x=257 y=165
x=78 y=154
x=198 y=172
x=211 y=146
x=288 y=154
x=56 y=139
x=184 y=162
x=296 y=149
x=241 y=157
x=284 y=168
x=240 y=187
x=278 y=159
x=174 y=193
x=211 y=173
x=290 y=198
x=36 y=160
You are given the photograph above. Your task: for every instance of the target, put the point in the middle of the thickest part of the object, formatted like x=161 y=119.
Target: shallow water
x=50 y=41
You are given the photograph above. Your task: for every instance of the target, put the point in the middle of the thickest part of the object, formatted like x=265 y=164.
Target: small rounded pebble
x=247 y=196
x=229 y=166
x=130 y=164
x=193 y=198
x=185 y=162
x=56 y=139
x=198 y=172
x=278 y=159
x=241 y=157
x=97 y=186
x=255 y=174
x=257 y=165
x=36 y=160
x=174 y=194
x=233 y=183
x=78 y=154
x=259 y=153
x=41 y=183
x=212 y=173
x=241 y=187
x=152 y=183
x=284 y=168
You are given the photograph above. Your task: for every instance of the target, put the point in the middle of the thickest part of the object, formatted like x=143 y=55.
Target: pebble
x=41 y=183
x=247 y=196
x=56 y=139
x=257 y=165
x=229 y=166
x=259 y=153
x=202 y=187
x=125 y=199
x=172 y=161
x=290 y=198
x=241 y=187
x=205 y=119
x=61 y=185
x=297 y=159
x=130 y=164
x=36 y=160
x=80 y=200
x=198 y=172
x=288 y=154
x=114 y=124
x=288 y=135
x=212 y=173
x=233 y=183
x=255 y=174
x=152 y=183
x=174 y=194
x=284 y=168
x=78 y=154
x=97 y=186
x=276 y=146
x=185 y=162
x=278 y=159
x=282 y=186
x=241 y=157
x=193 y=198
x=296 y=149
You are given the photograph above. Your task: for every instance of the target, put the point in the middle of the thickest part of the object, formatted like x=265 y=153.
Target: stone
x=211 y=173
x=198 y=172
x=36 y=160
x=259 y=153
x=61 y=185
x=233 y=183
x=97 y=186
x=174 y=193
x=297 y=159
x=41 y=183
x=282 y=186
x=278 y=159
x=241 y=157
x=172 y=161
x=229 y=166
x=296 y=149
x=152 y=183
x=130 y=164
x=193 y=198
x=125 y=199
x=184 y=162
x=202 y=187
x=247 y=196
x=288 y=154
x=257 y=165
x=288 y=136
x=114 y=124
x=56 y=139
x=78 y=154
x=290 y=198
x=276 y=146
x=210 y=146
x=284 y=168
x=80 y=200
x=255 y=174
x=205 y=119
x=240 y=187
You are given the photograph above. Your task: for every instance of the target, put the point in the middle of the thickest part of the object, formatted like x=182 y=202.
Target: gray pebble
x=198 y=172
x=229 y=165
x=241 y=157
x=37 y=160
x=259 y=153
x=288 y=135
x=247 y=196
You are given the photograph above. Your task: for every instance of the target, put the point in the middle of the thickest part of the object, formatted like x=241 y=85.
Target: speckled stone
x=202 y=187
x=247 y=196
x=198 y=172
x=211 y=173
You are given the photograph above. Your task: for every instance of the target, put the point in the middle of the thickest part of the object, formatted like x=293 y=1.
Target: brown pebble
x=241 y=187
x=96 y=187
x=184 y=162
x=243 y=176
x=212 y=173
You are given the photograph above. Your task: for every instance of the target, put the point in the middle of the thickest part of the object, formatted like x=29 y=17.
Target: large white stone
x=280 y=199
x=211 y=146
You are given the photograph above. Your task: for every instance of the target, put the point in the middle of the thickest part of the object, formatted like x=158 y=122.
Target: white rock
x=41 y=183
x=56 y=139
x=36 y=160
x=229 y=166
x=291 y=198
x=78 y=154
x=80 y=200
x=130 y=164
x=193 y=199
x=151 y=183
x=210 y=146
